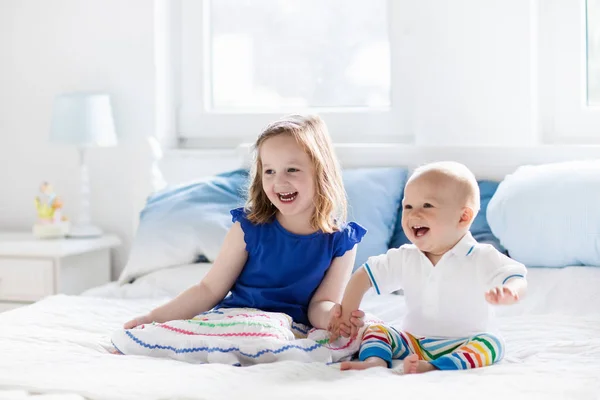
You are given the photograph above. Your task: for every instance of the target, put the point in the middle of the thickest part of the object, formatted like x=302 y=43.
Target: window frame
x=565 y=115
x=197 y=127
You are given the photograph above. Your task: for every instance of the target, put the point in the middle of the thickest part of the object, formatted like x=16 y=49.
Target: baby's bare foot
x=370 y=362
x=412 y=365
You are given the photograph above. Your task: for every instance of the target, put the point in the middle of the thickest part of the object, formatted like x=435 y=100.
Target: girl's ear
x=466 y=217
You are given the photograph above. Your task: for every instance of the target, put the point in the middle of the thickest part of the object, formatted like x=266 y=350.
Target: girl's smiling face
x=288 y=176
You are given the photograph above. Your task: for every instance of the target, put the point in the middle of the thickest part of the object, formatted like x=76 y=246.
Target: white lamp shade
x=83 y=119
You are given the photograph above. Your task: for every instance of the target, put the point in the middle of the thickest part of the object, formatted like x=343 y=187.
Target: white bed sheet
x=571 y=290
x=59 y=345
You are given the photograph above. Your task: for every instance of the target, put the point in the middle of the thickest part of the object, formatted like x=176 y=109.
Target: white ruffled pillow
x=179 y=225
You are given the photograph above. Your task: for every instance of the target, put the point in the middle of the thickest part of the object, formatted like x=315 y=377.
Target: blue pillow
x=479 y=229
x=374 y=196
x=180 y=224
x=549 y=215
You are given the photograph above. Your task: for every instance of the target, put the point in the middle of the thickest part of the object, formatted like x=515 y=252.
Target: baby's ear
x=467 y=216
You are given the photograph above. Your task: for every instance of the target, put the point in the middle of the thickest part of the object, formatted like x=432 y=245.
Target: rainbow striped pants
x=443 y=353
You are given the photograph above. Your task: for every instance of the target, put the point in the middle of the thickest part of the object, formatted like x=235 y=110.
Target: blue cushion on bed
x=374 y=197
x=479 y=229
x=549 y=215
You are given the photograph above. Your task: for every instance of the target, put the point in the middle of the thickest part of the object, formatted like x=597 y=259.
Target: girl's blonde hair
x=310 y=132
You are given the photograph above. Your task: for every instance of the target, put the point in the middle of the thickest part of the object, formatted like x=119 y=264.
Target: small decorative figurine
x=50 y=220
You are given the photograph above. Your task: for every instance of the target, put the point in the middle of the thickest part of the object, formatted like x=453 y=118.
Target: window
x=385 y=70
x=593 y=52
x=276 y=54
x=251 y=61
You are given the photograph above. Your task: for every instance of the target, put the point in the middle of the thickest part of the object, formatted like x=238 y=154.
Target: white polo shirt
x=446 y=300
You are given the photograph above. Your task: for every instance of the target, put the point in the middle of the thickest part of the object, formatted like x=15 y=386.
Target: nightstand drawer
x=25 y=279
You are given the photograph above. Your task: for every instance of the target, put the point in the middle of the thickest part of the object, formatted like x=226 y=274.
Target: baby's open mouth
x=287 y=197
x=420 y=230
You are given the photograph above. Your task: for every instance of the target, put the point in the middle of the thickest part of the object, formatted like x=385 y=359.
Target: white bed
x=58 y=346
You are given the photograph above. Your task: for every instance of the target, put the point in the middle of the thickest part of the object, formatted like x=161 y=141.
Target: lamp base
x=84 y=231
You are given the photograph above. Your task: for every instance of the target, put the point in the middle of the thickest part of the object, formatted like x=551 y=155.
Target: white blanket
x=235 y=336
x=60 y=345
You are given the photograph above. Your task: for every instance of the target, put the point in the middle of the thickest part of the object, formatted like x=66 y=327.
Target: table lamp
x=84 y=120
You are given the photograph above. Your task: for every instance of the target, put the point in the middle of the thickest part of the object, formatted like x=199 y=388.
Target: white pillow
x=163 y=283
x=549 y=215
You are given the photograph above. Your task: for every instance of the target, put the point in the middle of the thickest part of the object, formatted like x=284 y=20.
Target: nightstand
x=31 y=268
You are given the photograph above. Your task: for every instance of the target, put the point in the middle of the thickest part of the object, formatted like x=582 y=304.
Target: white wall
x=468 y=63
x=471 y=69
x=48 y=47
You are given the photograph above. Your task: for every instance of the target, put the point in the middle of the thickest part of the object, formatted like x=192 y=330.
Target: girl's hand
x=144 y=319
x=501 y=295
x=335 y=322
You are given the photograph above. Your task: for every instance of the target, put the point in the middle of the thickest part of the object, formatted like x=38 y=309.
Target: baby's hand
x=144 y=319
x=356 y=322
x=501 y=295
x=344 y=324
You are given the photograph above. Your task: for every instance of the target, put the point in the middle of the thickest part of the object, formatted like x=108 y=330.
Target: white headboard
x=485 y=162
x=179 y=166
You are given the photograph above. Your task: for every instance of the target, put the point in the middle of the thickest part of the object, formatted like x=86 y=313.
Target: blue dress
x=283 y=269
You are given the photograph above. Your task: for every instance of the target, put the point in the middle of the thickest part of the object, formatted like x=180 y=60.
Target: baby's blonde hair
x=330 y=197
x=457 y=174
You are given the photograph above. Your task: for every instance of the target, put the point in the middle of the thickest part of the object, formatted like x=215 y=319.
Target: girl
x=288 y=250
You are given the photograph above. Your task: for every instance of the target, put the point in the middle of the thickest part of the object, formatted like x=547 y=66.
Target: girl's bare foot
x=370 y=362
x=114 y=351
x=412 y=365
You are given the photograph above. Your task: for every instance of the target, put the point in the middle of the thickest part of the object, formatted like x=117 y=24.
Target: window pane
x=273 y=54
x=593 y=51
